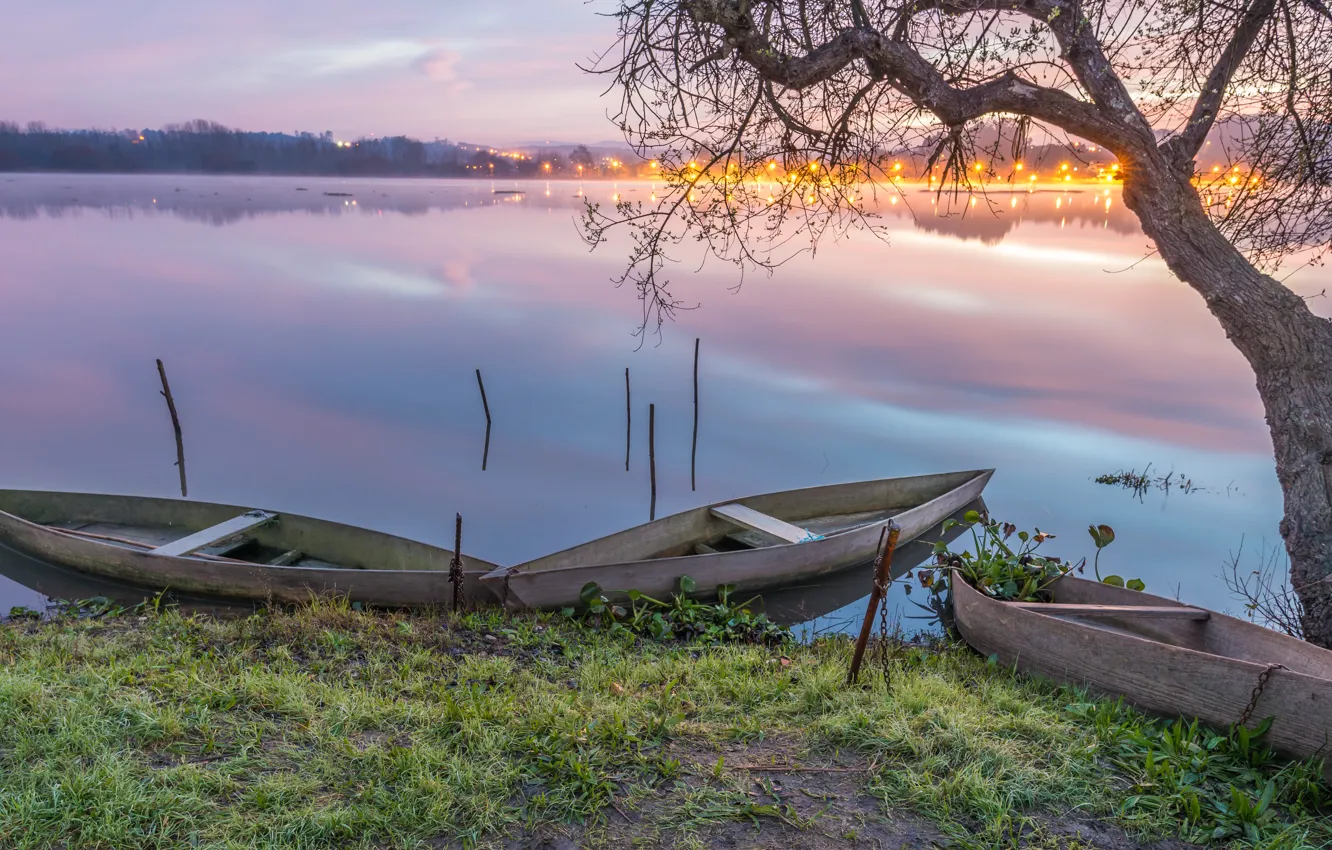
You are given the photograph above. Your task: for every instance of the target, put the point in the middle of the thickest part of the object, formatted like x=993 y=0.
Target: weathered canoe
x=802 y=602
x=1195 y=664
x=228 y=551
x=753 y=543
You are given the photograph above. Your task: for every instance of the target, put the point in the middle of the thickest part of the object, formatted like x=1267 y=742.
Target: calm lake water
x=322 y=351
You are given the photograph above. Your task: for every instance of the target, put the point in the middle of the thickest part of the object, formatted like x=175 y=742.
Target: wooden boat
x=802 y=602
x=753 y=543
x=1162 y=656
x=227 y=551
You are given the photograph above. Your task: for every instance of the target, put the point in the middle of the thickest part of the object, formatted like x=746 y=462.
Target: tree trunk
x=1290 y=350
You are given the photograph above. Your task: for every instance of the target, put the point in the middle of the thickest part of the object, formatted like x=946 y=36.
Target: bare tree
x=772 y=120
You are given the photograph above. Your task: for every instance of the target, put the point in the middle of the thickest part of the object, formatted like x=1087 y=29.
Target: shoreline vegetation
x=328 y=726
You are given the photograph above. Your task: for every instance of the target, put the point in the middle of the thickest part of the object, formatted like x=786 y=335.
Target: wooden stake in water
x=175 y=424
x=455 y=565
x=628 y=420
x=883 y=569
x=485 y=453
x=652 y=458
x=693 y=450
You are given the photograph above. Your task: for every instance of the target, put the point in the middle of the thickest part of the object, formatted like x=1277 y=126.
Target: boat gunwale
x=290 y=569
x=979 y=614
x=499 y=574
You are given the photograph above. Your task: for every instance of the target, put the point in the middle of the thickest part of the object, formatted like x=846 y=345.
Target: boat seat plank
x=751 y=539
x=750 y=518
x=1146 y=611
x=214 y=535
x=287 y=558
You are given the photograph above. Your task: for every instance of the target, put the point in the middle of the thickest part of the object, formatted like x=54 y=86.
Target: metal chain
x=1258 y=692
x=883 y=640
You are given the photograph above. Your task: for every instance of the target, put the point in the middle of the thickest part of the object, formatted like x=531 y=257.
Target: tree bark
x=1290 y=350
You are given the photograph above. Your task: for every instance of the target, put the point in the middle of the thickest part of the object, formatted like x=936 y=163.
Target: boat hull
x=362 y=565
x=1206 y=669
x=618 y=563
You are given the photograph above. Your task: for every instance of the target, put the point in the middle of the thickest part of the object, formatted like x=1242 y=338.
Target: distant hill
x=209 y=148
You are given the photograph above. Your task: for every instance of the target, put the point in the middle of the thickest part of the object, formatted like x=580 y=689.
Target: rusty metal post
x=455 y=566
x=883 y=567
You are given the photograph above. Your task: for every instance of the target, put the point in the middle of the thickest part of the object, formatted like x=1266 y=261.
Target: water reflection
x=837 y=603
x=223 y=201
x=323 y=355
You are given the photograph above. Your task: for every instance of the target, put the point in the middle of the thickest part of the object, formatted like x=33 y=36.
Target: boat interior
x=756 y=522
x=1136 y=614
x=209 y=531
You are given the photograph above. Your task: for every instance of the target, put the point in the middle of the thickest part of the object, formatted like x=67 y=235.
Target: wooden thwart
x=1146 y=611
x=749 y=518
x=216 y=534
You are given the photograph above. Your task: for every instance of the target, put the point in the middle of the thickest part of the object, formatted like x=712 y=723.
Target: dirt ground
x=765 y=798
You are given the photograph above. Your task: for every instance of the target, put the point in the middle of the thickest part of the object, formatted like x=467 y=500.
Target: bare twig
x=175 y=425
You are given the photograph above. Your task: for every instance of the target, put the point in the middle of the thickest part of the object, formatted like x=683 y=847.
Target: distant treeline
x=207 y=147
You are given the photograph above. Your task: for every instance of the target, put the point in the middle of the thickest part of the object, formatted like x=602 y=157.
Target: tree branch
x=1079 y=45
x=1183 y=148
x=903 y=68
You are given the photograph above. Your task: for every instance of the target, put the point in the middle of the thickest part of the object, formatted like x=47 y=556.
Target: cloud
x=434 y=60
x=439 y=64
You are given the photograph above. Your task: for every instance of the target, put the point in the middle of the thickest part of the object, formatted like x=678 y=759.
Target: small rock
x=490 y=639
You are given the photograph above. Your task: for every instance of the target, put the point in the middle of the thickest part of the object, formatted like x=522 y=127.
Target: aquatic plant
x=1004 y=568
x=681 y=617
x=1140 y=482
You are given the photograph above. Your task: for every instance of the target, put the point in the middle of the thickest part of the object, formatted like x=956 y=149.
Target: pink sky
x=497 y=71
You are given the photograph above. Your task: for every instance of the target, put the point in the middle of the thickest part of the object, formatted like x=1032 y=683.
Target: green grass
x=328 y=727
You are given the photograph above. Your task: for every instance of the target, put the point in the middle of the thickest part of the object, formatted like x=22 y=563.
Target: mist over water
x=322 y=351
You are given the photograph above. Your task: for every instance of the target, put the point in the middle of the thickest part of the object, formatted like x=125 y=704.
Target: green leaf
x=1023 y=536
x=1101 y=535
x=590 y=591
x=1136 y=584
x=687 y=584
x=1114 y=581
x=971 y=517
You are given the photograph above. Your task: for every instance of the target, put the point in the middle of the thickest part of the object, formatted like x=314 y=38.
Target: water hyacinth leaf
x=1136 y=584
x=1114 y=581
x=687 y=584
x=590 y=591
x=971 y=517
x=1101 y=535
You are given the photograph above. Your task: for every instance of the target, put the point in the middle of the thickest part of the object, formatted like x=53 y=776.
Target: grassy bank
x=329 y=727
